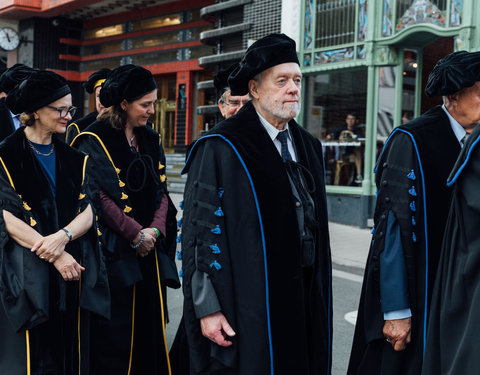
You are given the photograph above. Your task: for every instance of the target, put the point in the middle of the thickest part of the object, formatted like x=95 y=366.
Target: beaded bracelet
x=139 y=243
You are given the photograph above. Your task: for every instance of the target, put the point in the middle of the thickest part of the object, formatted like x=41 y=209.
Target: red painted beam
x=130 y=52
x=157 y=30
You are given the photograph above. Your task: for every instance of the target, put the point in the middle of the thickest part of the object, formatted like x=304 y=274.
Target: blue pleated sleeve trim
x=425 y=216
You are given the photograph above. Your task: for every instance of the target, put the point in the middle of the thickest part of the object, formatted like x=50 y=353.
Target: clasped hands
x=148 y=243
x=51 y=248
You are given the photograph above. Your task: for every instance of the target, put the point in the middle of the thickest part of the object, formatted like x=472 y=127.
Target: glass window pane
x=335 y=111
x=104 y=31
x=335 y=22
x=308 y=24
x=102 y=48
x=386 y=103
x=362 y=19
x=410 y=67
x=421 y=11
x=155 y=40
x=152 y=23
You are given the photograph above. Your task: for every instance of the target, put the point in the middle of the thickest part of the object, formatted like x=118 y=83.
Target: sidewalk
x=349 y=245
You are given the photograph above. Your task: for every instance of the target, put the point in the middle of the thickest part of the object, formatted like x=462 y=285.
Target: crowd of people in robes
x=88 y=232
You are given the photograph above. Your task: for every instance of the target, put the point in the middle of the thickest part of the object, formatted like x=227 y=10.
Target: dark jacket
x=6 y=122
x=453 y=327
x=411 y=177
x=240 y=229
x=78 y=126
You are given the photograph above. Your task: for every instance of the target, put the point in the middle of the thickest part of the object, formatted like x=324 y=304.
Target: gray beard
x=284 y=112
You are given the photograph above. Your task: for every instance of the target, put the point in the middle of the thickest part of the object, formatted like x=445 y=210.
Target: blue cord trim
x=216 y=230
x=412 y=207
x=451 y=181
x=181 y=205
x=413 y=221
x=412 y=174
x=215 y=249
x=215 y=264
x=220 y=192
x=179 y=255
x=180 y=222
x=267 y=305
x=414 y=237
x=219 y=212
x=412 y=191
x=179 y=238
x=180 y=274
x=373 y=230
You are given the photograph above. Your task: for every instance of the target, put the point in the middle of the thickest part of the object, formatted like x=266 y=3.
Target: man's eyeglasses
x=63 y=111
x=236 y=103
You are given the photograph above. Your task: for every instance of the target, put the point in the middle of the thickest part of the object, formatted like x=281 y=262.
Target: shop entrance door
x=165 y=122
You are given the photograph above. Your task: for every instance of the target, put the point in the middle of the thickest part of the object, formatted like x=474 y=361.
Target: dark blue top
x=47 y=162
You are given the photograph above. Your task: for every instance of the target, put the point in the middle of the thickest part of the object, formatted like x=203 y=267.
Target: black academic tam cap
x=274 y=49
x=41 y=88
x=453 y=73
x=13 y=76
x=96 y=79
x=221 y=79
x=128 y=82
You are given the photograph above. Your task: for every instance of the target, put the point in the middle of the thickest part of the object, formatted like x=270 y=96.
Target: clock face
x=8 y=39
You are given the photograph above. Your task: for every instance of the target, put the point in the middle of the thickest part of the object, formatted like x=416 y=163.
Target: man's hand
x=51 y=247
x=68 y=267
x=398 y=333
x=216 y=328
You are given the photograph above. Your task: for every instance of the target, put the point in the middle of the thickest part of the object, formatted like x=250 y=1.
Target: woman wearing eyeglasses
x=47 y=242
x=137 y=223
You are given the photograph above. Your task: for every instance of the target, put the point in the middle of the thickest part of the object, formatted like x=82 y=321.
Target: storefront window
x=335 y=111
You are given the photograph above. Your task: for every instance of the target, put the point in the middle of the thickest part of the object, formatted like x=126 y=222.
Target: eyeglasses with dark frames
x=63 y=111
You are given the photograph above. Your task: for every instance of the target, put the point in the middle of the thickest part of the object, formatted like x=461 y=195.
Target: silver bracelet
x=68 y=233
x=137 y=245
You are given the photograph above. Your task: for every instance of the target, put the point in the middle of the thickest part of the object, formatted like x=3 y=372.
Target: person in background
x=410 y=216
x=137 y=226
x=10 y=78
x=48 y=237
x=93 y=86
x=407 y=116
x=228 y=104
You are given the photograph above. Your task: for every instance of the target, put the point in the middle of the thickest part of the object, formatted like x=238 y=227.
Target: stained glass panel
x=387 y=23
x=308 y=23
x=334 y=56
x=456 y=12
x=362 y=19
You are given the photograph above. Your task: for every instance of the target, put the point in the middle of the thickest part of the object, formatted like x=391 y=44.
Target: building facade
x=76 y=38
x=369 y=60
x=235 y=25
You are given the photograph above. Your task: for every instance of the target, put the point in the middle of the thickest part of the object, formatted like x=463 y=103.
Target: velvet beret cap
x=13 y=76
x=91 y=84
x=274 y=49
x=128 y=82
x=453 y=73
x=41 y=88
x=220 y=80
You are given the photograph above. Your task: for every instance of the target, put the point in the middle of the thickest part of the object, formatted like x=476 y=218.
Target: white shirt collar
x=272 y=130
x=458 y=129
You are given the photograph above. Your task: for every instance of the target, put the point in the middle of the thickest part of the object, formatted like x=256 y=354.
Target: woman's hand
x=51 y=247
x=147 y=245
x=68 y=267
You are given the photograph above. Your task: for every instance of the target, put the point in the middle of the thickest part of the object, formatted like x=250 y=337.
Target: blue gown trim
x=425 y=315
x=452 y=180
x=261 y=232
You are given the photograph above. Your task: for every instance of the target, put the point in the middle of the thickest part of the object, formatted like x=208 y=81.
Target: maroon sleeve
x=160 y=217
x=118 y=220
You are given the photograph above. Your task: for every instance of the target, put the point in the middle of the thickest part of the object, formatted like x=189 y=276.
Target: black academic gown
x=240 y=228
x=39 y=311
x=6 y=122
x=452 y=339
x=411 y=177
x=78 y=126
x=138 y=285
